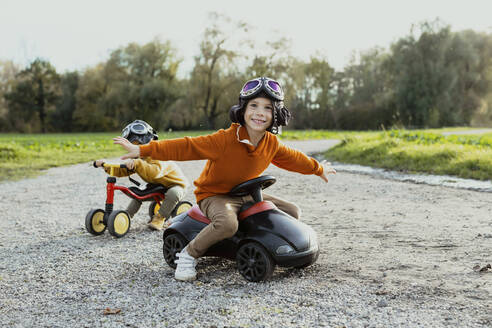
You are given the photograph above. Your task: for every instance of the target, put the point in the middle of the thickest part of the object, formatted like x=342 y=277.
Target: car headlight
x=284 y=249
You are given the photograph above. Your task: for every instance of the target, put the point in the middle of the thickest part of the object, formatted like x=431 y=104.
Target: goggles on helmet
x=270 y=86
x=140 y=131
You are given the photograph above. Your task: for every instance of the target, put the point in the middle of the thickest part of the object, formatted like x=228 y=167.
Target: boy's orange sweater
x=230 y=161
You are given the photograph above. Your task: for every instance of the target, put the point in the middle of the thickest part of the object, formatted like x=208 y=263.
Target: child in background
x=240 y=153
x=152 y=171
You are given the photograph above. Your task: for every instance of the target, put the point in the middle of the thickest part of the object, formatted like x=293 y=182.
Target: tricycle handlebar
x=123 y=166
x=107 y=165
x=111 y=167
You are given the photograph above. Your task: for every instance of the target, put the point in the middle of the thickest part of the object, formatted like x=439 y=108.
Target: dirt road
x=392 y=254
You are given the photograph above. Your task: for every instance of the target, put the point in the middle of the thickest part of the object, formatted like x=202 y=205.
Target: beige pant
x=173 y=195
x=222 y=210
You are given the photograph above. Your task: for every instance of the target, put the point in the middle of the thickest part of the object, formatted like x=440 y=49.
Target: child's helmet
x=140 y=131
x=262 y=87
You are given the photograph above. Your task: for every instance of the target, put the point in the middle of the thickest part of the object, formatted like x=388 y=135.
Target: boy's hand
x=327 y=169
x=98 y=163
x=130 y=164
x=133 y=150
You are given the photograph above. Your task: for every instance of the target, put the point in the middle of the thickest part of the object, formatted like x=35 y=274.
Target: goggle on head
x=255 y=86
x=139 y=131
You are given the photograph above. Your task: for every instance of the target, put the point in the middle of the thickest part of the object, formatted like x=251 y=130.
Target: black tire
x=181 y=207
x=118 y=223
x=153 y=209
x=173 y=244
x=94 y=222
x=254 y=262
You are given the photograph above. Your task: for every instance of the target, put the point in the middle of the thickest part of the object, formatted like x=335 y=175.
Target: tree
x=62 y=118
x=141 y=82
x=8 y=72
x=482 y=42
x=422 y=77
x=137 y=82
x=37 y=91
x=369 y=93
x=469 y=57
x=313 y=93
x=275 y=63
x=215 y=77
x=90 y=112
x=440 y=78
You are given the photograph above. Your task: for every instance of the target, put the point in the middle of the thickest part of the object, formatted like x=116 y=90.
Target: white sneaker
x=185 y=269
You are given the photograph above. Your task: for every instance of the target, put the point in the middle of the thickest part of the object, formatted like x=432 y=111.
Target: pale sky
x=79 y=34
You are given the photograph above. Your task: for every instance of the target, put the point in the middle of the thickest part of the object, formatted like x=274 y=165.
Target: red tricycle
x=118 y=221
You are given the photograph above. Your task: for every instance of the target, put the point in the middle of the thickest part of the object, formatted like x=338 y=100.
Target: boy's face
x=258 y=114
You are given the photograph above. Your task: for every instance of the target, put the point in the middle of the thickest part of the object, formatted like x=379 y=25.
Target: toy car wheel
x=181 y=207
x=172 y=245
x=153 y=208
x=94 y=222
x=254 y=262
x=118 y=223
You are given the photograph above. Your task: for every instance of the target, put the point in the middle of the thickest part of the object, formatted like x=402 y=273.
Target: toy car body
x=266 y=236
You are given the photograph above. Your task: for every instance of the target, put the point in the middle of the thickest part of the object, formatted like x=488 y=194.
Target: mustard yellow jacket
x=152 y=171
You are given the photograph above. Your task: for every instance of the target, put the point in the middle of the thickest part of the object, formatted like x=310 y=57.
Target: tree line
x=432 y=77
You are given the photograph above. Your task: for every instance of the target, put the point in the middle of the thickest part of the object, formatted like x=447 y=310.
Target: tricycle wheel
x=153 y=208
x=173 y=244
x=181 y=207
x=118 y=223
x=254 y=262
x=94 y=222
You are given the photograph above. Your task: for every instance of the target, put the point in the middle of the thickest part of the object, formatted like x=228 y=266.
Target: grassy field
x=27 y=155
x=467 y=156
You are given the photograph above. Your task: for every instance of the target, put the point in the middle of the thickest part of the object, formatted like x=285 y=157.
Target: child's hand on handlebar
x=130 y=164
x=327 y=169
x=133 y=150
x=98 y=163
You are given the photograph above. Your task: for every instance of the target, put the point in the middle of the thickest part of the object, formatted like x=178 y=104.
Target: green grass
x=316 y=134
x=465 y=156
x=27 y=155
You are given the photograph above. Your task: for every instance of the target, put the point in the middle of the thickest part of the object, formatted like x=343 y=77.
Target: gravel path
x=393 y=254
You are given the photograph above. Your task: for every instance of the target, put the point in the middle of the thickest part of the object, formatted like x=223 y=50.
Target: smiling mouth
x=257 y=121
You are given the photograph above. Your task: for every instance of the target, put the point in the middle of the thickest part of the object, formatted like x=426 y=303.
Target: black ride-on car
x=266 y=236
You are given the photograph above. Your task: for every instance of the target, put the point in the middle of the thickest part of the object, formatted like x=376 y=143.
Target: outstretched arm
x=133 y=150
x=327 y=169
x=294 y=160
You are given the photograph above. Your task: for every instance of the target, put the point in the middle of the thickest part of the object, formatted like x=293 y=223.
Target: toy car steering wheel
x=253 y=187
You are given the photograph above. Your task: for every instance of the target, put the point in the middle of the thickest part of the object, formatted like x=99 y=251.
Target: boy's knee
x=174 y=195
x=296 y=212
x=228 y=228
